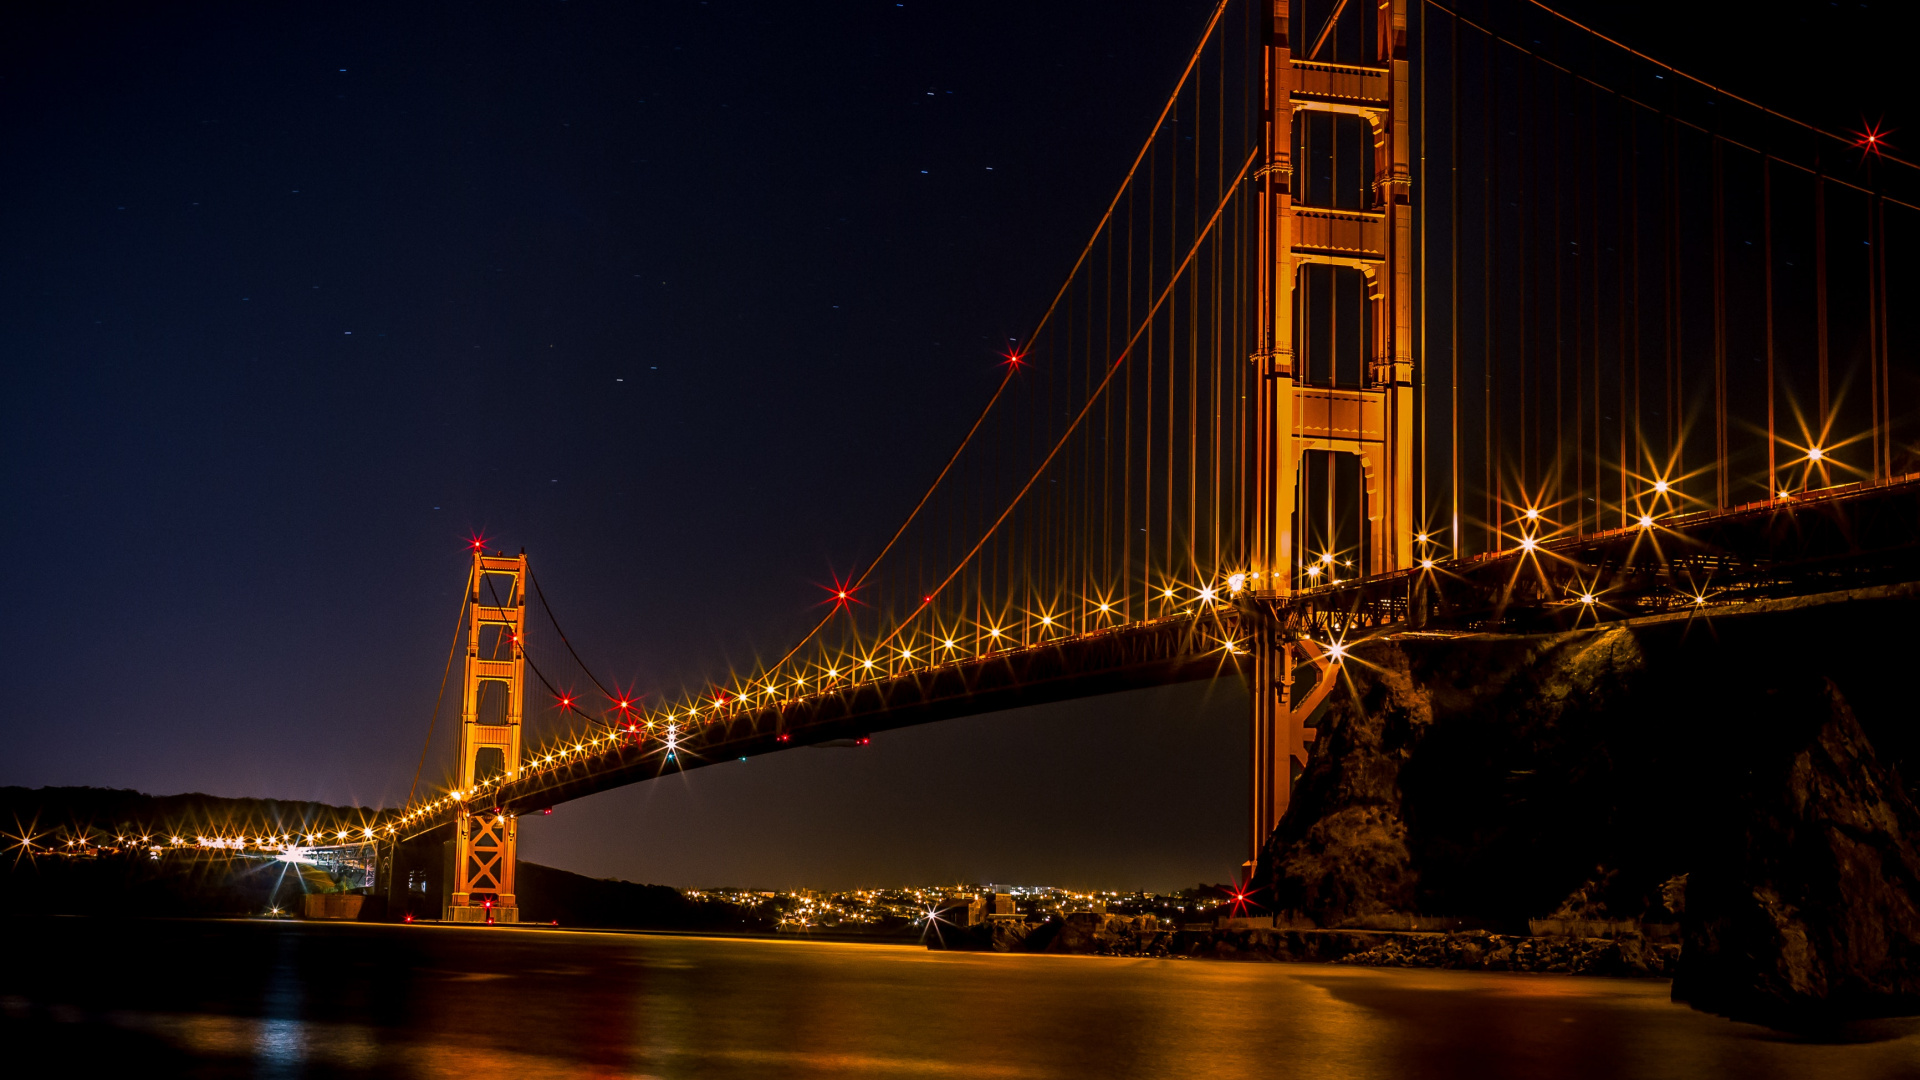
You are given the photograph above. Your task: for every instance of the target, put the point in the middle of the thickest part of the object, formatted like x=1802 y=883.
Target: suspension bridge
x=1401 y=320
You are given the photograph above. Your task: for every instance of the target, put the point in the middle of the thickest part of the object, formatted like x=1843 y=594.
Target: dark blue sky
x=688 y=299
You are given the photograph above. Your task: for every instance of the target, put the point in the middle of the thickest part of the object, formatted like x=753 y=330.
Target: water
x=262 y=999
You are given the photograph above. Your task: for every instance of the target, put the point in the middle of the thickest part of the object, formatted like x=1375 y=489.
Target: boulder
x=1811 y=916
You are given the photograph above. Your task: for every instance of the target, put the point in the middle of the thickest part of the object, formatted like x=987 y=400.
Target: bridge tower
x=1309 y=406
x=485 y=839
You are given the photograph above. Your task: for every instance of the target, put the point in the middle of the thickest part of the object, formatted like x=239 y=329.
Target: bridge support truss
x=1297 y=409
x=485 y=839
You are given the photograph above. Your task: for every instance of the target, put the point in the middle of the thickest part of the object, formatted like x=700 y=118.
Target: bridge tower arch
x=485 y=840
x=1373 y=420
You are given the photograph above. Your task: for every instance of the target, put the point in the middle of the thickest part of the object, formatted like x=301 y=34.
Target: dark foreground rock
x=1471 y=950
x=1582 y=777
x=1628 y=954
x=1814 y=918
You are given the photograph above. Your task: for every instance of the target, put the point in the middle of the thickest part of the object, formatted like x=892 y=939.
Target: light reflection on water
x=206 y=998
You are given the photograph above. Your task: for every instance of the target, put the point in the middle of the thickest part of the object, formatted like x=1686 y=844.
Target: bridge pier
x=1282 y=713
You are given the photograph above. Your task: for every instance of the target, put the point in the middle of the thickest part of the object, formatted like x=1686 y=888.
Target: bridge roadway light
x=1586 y=598
x=1660 y=486
x=1528 y=543
x=1646 y=522
x=1426 y=564
x=1816 y=454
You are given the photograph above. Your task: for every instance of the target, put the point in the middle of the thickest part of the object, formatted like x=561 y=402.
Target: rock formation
x=1747 y=761
x=1810 y=914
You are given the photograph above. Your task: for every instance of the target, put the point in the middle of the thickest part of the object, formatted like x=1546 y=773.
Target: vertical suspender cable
x=1556 y=496
x=1489 y=193
x=1146 y=500
x=1523 y=114
x=1766 y=255
x=1126 y=453
x=1820 y=289
x=1576 y=317
x=1670 y=305
x=1882 y=403
x=1722 y=494
x=1420 y=267
x=1453 y=283
x=1628 y=256
x=1593 y=275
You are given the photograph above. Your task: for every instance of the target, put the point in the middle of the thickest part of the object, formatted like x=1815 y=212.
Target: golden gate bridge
x=1399 y=321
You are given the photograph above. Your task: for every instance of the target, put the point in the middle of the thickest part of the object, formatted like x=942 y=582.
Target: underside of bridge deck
x=1176 y=649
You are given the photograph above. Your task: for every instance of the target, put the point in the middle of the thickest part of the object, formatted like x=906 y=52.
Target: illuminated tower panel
x=484 y=839
x=1372 y=421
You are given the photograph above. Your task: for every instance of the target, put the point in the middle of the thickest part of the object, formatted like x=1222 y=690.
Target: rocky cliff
x=1740 y=773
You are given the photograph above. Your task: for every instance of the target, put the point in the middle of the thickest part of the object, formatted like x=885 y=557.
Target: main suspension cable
x=1098 y=391
x=541 y=593
x=1693 y=79
x=1013 y=367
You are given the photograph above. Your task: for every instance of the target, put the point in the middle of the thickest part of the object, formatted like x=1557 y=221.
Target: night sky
x=687 y=299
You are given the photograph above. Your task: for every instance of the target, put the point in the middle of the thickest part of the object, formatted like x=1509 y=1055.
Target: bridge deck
x=1178 y=648
x=1849 y=537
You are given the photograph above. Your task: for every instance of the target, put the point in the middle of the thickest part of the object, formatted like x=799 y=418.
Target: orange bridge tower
x=481 y=877
x=1336 y=248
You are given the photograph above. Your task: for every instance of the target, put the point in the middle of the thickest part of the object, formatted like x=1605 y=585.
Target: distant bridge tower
x=485 y=839
x=1354 y=235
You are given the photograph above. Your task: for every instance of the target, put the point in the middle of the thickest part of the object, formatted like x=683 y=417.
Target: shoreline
x=1626 y=956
